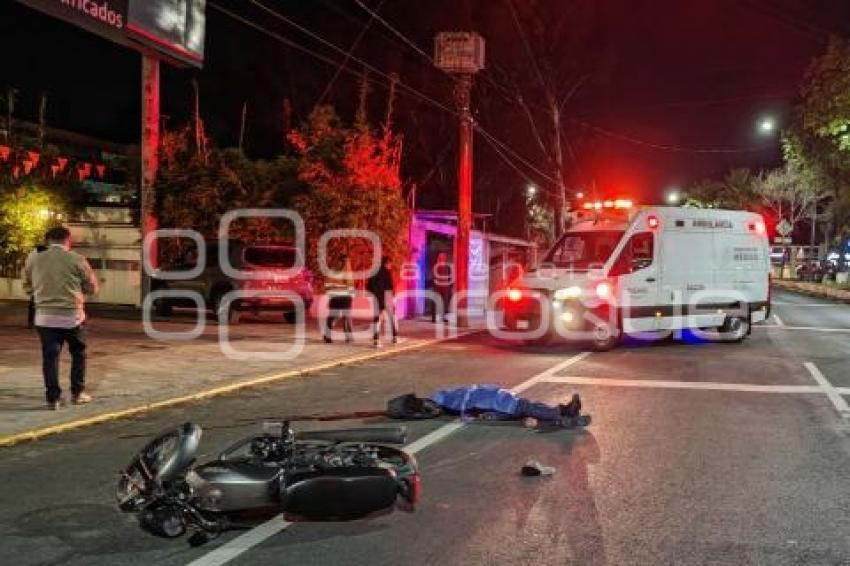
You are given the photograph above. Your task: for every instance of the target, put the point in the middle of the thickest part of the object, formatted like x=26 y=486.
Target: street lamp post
x=462 y=55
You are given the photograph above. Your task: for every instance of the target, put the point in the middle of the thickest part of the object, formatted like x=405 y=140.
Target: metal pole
x=242 y=125
x=150 y=160
x=813 y=254
x=464 y=198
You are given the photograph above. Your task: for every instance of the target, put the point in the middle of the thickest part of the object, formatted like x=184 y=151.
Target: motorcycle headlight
x=568 y=293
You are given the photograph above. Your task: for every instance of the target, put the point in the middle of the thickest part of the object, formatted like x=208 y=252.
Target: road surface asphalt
x=699 y=453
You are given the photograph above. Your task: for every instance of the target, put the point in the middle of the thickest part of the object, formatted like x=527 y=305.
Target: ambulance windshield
x=583 y=250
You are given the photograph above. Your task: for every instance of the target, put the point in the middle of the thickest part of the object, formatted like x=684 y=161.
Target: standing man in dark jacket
x=382 y=287
x=59 y=280
x=443 y=275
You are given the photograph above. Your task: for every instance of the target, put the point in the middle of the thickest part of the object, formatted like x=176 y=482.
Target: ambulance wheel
x=605 y=336
x=735 y=329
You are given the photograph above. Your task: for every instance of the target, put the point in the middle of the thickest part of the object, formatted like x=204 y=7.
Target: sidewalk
x=129 y=373
x=814 y=289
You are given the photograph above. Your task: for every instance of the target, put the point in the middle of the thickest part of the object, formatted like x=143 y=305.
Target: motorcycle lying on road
x=316 y=475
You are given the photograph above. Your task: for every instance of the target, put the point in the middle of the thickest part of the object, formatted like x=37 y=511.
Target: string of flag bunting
x=25 y=162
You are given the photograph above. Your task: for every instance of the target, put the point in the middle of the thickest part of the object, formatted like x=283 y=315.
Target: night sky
x=691 y=74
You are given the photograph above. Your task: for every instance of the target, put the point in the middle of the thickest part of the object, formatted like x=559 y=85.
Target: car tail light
x=604 y=289
x=514 y=295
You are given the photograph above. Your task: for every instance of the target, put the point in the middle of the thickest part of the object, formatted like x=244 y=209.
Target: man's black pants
x=52 y=340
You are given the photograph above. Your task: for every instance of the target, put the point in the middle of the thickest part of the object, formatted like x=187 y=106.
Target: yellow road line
x=37 y=433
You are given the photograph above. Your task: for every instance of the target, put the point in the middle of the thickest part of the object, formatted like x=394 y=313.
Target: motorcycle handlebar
x=384 y=435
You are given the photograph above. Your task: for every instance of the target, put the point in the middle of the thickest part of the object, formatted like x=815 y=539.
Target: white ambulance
x=644 y=273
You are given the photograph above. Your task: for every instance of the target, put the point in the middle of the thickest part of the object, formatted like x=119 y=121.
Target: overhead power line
x=351 y=49
x=344 y=53
x=588 y=125
x=491 y=138
x=328 y=60
x=394 y=31
x=665 y=147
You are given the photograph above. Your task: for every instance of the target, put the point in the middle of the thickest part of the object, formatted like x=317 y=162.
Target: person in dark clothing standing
x=443 y=281
x=340 y=290
x=382 y=288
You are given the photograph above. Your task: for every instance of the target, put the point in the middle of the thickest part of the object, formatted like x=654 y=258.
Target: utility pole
x=464 y=197
x=462 y=55
x=150 y=161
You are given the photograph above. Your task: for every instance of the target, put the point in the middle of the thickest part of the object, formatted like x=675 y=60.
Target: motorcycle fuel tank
x=230 y=486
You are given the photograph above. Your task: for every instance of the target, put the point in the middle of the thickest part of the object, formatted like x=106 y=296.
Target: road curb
x=35 y=434
x=814 y=290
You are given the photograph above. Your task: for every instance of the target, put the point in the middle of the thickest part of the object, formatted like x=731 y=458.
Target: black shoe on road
x=577 y=421
x=573 y=408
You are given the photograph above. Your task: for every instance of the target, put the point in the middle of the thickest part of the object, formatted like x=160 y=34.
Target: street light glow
x=767 y=125
x=531 y=190
x=673 y=197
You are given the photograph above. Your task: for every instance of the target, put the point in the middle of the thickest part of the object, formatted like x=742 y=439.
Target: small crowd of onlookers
x=58 y=280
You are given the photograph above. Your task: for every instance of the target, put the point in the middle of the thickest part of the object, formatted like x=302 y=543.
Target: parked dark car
x=271 y=260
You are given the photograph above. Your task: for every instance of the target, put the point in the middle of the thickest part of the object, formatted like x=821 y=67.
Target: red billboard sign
x=173 y=28
x=106 y=18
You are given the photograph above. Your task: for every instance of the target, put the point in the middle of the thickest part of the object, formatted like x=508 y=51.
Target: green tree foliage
x=195 y=190
x=735 y=191
x=353 y=179
x=825 y=107
x=26 y=213
x=789 y=192
x=819 y=140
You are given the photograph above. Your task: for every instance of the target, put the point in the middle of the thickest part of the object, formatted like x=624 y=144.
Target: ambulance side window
x=637 y=254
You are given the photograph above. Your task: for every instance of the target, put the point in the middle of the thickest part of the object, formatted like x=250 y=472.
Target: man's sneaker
x=81 y=398
x=53 y=405
x=376 y=344
x=573 y=408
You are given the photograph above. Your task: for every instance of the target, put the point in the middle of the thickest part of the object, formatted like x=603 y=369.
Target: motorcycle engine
x=345 y=456
x=278 y=450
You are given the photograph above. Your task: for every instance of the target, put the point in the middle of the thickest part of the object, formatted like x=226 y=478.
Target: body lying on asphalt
x=490 y=402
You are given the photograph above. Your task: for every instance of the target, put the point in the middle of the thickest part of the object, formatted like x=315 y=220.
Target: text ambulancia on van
x=644 y=272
